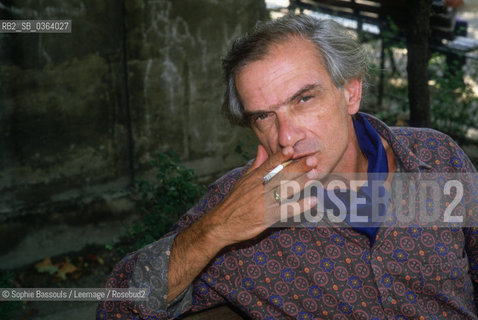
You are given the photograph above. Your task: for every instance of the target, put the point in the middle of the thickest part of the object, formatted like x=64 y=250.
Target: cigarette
x=275 y=171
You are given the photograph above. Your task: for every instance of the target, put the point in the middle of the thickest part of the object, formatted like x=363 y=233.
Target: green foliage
x=243 y=147
x=7 y=307
x=164 y=199
x=240 y=150
x=392 y=114
x=392 y=34
x=454 y=106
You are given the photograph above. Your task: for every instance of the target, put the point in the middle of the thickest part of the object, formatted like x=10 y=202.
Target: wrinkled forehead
x=285 y=70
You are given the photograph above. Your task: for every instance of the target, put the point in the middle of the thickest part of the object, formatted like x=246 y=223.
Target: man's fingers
x=298 y=183
x=286 y=212
x=304 y=205
x=275 y=160
x=265 y=163
x=293 y=178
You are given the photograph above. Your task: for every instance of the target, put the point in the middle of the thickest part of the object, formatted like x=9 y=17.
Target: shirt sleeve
x=150 y=273
x=471 y=235
x=148 y=267
x=470 y=179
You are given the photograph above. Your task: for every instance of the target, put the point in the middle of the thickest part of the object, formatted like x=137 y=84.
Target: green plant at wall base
x=453 y=104
x=164 y=199
x=239 y=149
x=243 y=146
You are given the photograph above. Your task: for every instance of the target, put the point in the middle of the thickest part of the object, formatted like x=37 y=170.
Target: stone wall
x=83 y=113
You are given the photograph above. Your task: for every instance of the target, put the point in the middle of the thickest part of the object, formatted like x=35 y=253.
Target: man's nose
x=290 y=132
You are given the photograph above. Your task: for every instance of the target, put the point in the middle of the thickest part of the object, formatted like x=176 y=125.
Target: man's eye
x=260 y=116
x=305 y=98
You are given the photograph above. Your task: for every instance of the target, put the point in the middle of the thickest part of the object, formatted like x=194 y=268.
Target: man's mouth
x=305 y=149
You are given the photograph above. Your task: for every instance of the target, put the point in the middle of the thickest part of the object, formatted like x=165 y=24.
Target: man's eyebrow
x=303 y=90
x=293 y=97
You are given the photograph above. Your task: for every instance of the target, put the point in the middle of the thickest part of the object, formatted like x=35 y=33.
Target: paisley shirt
x=410 y=272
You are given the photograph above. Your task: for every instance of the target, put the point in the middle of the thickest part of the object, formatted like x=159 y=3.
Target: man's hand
x=248 y=209
x=251 y=206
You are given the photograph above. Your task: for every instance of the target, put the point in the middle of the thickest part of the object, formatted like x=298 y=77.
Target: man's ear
x=353 y=95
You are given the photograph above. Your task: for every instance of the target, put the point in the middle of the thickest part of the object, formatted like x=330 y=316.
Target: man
x=297 y=82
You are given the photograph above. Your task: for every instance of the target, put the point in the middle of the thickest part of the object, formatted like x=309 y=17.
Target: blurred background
x=110 y=132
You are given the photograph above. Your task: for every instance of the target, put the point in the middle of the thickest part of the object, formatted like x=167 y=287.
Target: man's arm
x=191 y=251
x=239 y=217
x=167 y=267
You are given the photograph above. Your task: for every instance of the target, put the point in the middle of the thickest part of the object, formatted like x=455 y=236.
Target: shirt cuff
x=151 y=273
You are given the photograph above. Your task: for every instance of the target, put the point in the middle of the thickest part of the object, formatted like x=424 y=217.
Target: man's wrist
x=214 y=232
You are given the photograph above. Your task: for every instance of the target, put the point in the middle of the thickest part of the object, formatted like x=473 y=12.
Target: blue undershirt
x=372 y=147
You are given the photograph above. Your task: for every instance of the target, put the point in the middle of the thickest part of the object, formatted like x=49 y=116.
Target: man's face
x=291 y=101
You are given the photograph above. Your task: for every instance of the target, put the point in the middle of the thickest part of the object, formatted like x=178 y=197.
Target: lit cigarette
x=275 y=171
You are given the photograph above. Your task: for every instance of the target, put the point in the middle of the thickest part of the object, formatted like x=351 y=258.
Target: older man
x=297 y=82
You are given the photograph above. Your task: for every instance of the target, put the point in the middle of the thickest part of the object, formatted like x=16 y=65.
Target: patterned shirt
x=410 y=272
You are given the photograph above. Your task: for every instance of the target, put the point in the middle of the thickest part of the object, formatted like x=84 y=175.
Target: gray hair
x=341 y=54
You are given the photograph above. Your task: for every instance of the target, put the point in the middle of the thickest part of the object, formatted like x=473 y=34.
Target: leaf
x=65 y=268
x=46 y=266
x=44 y=263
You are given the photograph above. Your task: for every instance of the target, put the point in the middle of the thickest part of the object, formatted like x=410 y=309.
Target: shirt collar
x=408 y=159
